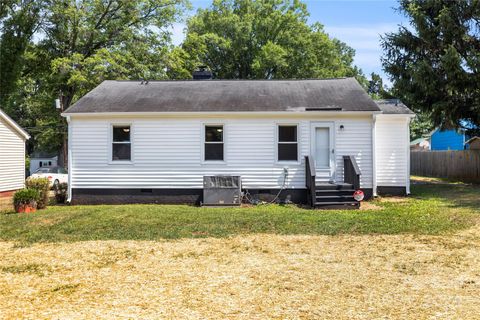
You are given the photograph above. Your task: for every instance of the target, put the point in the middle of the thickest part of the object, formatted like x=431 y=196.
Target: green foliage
x=433 y=209
x=81 y=43
x=376 y=89
x=435 y=63
x=42 y=186
x=420 y=126
x=18 y=22
x=26 y=196
x=27 y=163
x=270 y=39
x=61 y=190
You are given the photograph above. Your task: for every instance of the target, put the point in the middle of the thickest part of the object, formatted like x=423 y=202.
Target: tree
x=420 y=126
x=81 y=43
x=376 y=88
x=267 y=39
x=434 y=64
x=18 y=22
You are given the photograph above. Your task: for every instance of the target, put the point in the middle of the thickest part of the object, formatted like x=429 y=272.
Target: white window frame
x=111 y=142
x=210 y=124
x=277 y=138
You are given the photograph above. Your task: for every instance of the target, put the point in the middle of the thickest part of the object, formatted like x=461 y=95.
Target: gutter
x=223 y=113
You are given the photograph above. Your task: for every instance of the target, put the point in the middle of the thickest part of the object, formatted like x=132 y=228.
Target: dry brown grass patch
x=393 y=199
x=246 y=277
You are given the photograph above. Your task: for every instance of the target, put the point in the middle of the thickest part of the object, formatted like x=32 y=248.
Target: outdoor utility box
x=222 y=190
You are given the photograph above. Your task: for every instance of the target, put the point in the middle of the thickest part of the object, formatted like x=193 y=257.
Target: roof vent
x=202 y=73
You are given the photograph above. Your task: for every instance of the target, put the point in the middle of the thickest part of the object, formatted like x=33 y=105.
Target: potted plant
x=42 y=185
x=26 y=200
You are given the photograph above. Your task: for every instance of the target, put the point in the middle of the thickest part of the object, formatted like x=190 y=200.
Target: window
x=213 y=143
x=121 y=144
x=287 y=143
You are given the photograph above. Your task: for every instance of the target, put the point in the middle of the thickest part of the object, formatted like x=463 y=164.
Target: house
x=316 y=140
x=12 y=156
x=39 y=159
x=449 y=139
x=420 y=144
x=473 y=143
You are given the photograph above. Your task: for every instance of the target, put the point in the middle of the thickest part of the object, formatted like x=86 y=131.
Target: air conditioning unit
x=222 y=190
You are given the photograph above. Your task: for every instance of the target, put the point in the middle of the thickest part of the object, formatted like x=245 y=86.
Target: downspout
x=374 y=156
x=70 y=162
x=408 y=156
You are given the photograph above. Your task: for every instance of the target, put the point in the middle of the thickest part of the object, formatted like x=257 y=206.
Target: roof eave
x=14 y=125
x=113 y=114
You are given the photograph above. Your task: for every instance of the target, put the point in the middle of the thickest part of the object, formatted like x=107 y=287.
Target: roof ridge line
x=232 y=80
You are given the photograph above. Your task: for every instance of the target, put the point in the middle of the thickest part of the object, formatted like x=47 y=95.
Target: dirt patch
x=6 y=204
x=246 y=277
x=393 y=199
x=433 y=180
x=367 y=205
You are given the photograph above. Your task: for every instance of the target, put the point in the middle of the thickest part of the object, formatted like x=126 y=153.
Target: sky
x=357 y=23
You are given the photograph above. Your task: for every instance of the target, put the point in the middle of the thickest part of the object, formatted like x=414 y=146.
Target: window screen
x=214 y=143
x=287 y=143
x=121 y=144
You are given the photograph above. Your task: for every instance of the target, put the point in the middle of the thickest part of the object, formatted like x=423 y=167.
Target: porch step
x=333 y=186
x=335 y=196
x=338 y=205
x=341 y=192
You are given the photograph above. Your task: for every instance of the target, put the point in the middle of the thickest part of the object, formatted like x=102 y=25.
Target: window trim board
x=276 y=142
x=203 y=142
x=111 y=142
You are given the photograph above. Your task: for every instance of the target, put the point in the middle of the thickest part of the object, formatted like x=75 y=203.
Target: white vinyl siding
x=12 y=158
x=355 y=140
x=392 y=143
x=168 y=152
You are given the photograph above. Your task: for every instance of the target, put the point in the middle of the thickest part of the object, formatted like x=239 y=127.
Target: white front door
x=322 y=149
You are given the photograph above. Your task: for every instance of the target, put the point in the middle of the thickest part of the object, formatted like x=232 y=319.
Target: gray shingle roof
x=225 y=96
x=393 y=106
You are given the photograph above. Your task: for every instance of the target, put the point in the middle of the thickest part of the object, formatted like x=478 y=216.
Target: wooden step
x=331 y=186
x=337 y=205
x=341 y=192
x=335 y=198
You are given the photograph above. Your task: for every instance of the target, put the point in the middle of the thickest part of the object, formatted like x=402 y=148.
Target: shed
x=12 y=156
x=473 y=143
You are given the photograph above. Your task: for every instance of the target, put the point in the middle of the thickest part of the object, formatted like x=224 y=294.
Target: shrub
x=26 y=197
x=42 y=185
x=61 y=192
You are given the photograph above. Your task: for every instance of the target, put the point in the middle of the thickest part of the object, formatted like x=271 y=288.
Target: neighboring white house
x=42 y=159
x=131 y=141
x=12 y=155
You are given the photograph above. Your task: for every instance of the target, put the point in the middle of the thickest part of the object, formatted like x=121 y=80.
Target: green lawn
x=432 y=209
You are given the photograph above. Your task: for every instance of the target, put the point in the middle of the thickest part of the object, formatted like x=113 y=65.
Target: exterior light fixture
x=342 y=127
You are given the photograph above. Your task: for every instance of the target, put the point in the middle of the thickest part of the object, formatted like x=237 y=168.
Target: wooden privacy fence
x=461 y=165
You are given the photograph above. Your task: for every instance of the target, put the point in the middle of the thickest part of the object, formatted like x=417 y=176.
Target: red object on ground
x=358 y=195
x=25 y=208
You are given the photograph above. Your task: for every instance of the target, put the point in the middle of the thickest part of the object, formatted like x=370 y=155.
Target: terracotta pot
x=25 y=208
